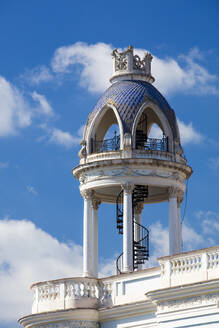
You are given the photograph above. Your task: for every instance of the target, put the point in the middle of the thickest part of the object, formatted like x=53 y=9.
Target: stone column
x=179 y=201
x=137 y=229
x=87 y=235
x=127 y=229
x=173 y=222
x=95 y=206
x=137 y=216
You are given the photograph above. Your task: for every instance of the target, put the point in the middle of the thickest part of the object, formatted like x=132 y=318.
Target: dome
x=128 y=96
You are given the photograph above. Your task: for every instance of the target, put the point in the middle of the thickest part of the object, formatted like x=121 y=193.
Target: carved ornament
x=127 y=188
x=95 y=203
x=188 y=302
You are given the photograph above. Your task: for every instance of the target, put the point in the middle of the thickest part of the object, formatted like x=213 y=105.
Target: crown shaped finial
x=130 y=66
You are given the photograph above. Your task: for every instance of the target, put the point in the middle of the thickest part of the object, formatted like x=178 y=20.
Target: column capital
x=180 y=198
x=174 y=192
x=127 y=188
x=95 y=203
x=138 y=208
x=87 y=194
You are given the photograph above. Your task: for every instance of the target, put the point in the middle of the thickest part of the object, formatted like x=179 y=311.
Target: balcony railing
x=70 y=293
x=113 y=144
x=152 y=144
x=142 y=143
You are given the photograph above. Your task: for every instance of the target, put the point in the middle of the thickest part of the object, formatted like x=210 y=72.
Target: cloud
x=28 y=255
x=159 y=239
x=44 y=106
x=38 y=75
x=14 y=109
x=183 y=74
x=95 y=61
x=63 y=138
x=24 y=260
x=60 y=137
x=188 y=134
x=32 y=190
x=209 y=221
x=17 y=111
x=192 y=239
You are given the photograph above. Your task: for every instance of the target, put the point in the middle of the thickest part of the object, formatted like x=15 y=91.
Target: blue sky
x=54 y=64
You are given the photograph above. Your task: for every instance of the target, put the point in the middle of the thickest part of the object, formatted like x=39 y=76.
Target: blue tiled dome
x=128 y=96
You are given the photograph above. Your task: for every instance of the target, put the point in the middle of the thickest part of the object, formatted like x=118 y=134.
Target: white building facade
x=132 y=169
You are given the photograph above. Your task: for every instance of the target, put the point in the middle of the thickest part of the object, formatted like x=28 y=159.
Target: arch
x=155 y=131
x=110 y=115
x=158 y=117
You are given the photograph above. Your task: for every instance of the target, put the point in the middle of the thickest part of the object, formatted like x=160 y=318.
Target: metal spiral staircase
x=140 y=246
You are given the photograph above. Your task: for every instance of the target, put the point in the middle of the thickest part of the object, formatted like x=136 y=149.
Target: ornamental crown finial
x=126 y=65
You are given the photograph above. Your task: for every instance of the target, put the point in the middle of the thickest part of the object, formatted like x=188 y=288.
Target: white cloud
x=209 y=221
x=188 y=134
x=191 y=239
x=60 y=137
x=44 y=106
x=95 y=60
x=159 y=238
x=63 y=138
x=14 y=109
x=38 y=75
x=32 y=190
x=27 y=255
x=183 y=74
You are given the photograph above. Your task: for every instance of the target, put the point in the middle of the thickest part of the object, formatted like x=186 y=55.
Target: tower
x=130 y=169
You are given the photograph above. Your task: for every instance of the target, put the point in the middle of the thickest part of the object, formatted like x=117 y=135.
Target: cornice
x=126 y=310
x=182 y=291
x=151 y=163
x=58 y=316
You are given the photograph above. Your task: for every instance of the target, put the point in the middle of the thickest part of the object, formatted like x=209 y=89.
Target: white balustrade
x=70 y=293
x=190 y=267
x=175 y=270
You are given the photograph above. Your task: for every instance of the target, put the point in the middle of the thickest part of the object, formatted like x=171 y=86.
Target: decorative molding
x=127 y=171
x=95 y=203
x=188 y=302
x=121 y=62
x=180 y=198
x=127 y=188
x=71 y=324
x=87 y=194
x=138 y=208
x=174 y=192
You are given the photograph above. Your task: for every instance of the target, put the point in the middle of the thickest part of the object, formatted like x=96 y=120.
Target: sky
x=55 y=62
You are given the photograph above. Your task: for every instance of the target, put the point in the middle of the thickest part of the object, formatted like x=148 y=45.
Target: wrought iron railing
x=152 y=144
x=113 y=144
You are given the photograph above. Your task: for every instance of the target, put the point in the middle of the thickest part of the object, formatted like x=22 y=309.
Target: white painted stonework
x=183 y=291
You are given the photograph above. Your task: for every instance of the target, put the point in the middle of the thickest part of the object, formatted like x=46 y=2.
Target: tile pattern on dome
x=128 y=96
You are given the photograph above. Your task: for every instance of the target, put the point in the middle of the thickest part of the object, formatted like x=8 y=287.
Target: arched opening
x=106 y=135
x=150 y=133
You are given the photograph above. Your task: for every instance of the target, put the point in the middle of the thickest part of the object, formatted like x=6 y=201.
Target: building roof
x=128 y=96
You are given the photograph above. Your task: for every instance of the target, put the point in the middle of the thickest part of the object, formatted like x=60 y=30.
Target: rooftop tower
x=130 y=169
